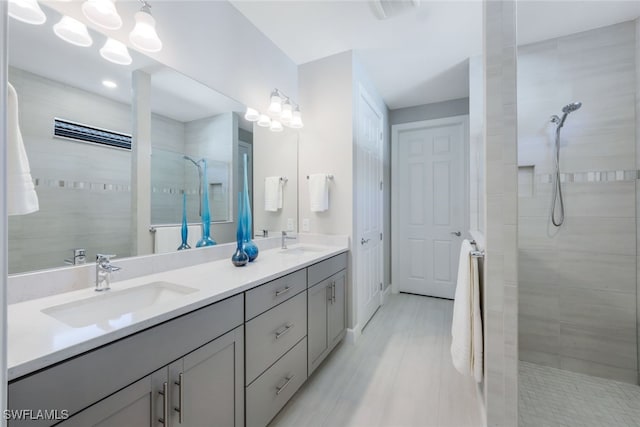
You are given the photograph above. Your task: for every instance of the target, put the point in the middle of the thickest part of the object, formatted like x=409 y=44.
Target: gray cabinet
x=139 y=404
x=327 y=317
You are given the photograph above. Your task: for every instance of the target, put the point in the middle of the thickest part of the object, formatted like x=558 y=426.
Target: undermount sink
x=114 y=304
x=300 y=249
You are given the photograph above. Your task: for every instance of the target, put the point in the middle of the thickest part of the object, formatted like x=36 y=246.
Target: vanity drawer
x=271 y=391
x=326 y=268
x=262 y=298
x=273 y=333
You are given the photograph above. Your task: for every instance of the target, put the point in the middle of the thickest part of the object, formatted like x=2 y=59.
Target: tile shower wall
x=577 y=307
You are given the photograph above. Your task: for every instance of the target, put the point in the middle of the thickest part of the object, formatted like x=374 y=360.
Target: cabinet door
x=319 y=296
x=139 y=405
x=337 y=308
x=208 y=384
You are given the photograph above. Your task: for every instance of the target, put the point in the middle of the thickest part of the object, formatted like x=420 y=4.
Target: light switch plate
x=305 y=224
x=289 y=224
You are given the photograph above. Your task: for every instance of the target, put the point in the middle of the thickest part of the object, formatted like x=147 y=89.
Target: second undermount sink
x=301 y=249
x=112 y=305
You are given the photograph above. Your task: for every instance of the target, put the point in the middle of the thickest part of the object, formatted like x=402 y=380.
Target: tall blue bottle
x=249 y=247
x=240 y=257
x=185 y=228
x=206 y=239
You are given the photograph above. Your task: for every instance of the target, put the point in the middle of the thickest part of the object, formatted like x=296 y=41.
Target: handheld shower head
x=570 y=108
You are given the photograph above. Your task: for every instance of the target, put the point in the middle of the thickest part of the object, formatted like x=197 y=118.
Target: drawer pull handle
x=180 y=409
x=283 y=386
x=333 y=292
x=165 y=404
x=283 y=291
x=284 y=330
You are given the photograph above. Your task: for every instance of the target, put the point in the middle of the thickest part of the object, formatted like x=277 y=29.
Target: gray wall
x=578 y=282
x=438 y=110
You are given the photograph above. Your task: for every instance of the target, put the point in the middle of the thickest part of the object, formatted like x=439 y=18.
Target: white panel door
x=430 y=197
x=368 y=194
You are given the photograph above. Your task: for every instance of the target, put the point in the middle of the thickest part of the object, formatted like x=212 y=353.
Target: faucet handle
x=104 y=258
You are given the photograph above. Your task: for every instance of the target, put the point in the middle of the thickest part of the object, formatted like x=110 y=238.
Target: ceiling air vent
x=80 y=132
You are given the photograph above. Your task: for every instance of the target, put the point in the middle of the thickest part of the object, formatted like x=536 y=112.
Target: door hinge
x=380 y=236
x=380 y=185
x=380 y=136
x=380 y=285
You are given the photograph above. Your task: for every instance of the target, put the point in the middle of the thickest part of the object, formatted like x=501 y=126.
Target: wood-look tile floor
x=398 y=374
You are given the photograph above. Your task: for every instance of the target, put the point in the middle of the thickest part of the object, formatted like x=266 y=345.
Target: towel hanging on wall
x=273 y=193
x=466 y=327
x=21 y=193
x=319 y=192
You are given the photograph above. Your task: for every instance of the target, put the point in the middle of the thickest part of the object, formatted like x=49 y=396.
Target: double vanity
x=204 y=345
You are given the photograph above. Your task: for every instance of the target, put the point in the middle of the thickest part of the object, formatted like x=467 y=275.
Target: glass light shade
x=264 y=121
x=144 y=35
x=252 y=114
x=276 y=126
x=287 y=112
x=276 y=103
x=116 y=52
x=73 y=31
x=27 y=11
x=102 y=13
x=296 y=120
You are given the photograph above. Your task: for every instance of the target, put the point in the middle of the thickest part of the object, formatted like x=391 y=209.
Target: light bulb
x=286 y=113
x=296 y=119
x=27 y=11
x=116 y=52
x=144 y=35
x=276 y=126
x=276 y=102
x=73 y=31
x=102 y=13
x=252 y=114
x=264 y=121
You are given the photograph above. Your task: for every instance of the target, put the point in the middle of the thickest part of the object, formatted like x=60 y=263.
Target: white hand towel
x=466 y=327
x=319 y=192
x=21 y=194
x=272 y=193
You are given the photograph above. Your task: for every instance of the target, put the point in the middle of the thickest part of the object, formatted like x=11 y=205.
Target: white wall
x=436 y=110
x=476 y=149
x=275 y=154
x=3 y=210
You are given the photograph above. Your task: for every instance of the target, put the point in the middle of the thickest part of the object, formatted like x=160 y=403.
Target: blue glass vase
x=240 y=257
x=185 y=228
x=249 y=247
x=206 y=239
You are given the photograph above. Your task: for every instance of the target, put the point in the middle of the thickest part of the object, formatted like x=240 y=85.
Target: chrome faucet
x=79 y=257
x=284 y=239
x=104 y=268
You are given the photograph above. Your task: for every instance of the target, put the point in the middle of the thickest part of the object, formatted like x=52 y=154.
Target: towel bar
x=476 y=253
x=284 y=179
x=328 y=176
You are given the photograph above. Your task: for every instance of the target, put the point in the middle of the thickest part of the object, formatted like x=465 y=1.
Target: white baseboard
x=353 y=335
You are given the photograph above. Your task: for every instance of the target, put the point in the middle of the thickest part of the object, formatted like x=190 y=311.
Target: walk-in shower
x=556 y=198
x=197 y=164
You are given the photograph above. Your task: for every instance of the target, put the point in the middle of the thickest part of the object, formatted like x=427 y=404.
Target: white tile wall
x=578 y=282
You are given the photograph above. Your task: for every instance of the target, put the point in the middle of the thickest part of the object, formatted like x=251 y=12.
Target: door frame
x=395 y=134
x=358 y=304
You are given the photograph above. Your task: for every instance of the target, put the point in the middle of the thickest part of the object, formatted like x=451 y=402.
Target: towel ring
x=328 y=176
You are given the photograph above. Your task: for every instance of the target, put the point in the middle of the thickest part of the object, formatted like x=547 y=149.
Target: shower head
x=196 y=163
x=570 y=108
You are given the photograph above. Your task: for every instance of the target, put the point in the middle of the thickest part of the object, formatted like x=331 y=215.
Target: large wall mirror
x=85 y=187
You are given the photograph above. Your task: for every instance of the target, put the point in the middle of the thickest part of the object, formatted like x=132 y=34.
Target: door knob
x=363 y=241
x=457 y=233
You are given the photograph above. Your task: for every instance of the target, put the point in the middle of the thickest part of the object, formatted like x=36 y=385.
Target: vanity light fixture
x=102 y=13
x=275 y=105
x=116 y=52
x=264 y=121
x=252 y=114
x=144 y=35
x=73 y=31
x=27 y=11
x=276 y=126
x=287 y=112
x=296 y=119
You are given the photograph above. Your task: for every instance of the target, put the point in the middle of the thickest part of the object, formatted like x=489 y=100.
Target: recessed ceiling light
x=110 y=84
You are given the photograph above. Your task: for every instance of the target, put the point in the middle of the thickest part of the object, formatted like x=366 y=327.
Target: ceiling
x=36 y=49
x=418 y=55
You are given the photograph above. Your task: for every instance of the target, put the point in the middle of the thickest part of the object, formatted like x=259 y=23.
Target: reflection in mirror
x=85 y=188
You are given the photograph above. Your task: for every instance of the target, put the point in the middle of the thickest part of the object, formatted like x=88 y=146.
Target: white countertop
x=36 y=340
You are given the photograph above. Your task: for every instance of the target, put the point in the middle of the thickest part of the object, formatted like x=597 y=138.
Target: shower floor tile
x=551 y=397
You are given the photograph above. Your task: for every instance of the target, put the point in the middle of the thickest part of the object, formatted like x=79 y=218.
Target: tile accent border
x=591 y=176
